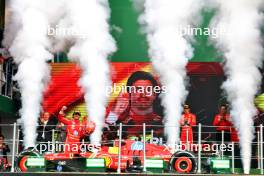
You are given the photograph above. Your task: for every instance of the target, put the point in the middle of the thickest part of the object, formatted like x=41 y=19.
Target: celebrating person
x=75 y=129
x=223 y=123
x=187 y=121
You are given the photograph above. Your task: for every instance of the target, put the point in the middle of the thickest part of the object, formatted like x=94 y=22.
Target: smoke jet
x=170 y=50
x=29 y=47
x=241 y=45
x=91 y=53
x=89 y=43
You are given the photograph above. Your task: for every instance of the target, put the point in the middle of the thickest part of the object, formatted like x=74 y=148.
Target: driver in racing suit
x=187 y=121
x=75 y=130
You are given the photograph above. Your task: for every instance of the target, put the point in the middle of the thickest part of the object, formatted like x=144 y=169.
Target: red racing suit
x=187 y=121
x=223 y=122
x=75 y=130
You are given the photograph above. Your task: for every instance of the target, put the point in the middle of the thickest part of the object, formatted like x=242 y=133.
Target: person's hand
x=59 y=125
x=63 y=109
x=186 y=123
x=225 y=118
x=42 y=120
x=121 y=104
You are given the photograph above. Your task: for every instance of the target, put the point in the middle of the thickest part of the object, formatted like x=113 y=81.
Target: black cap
x=76 y=113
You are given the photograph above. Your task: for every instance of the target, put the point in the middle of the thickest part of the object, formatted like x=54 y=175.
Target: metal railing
x=147 y=136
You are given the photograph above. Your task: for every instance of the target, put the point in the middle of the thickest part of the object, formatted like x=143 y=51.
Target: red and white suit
x=75 y=130
x=187 y=121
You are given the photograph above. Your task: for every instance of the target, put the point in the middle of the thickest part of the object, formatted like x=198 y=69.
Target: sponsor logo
x=75 y=133
x=137 y=146
x=108 y=159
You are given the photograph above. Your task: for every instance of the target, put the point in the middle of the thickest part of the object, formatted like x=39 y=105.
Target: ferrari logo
x=107 y=158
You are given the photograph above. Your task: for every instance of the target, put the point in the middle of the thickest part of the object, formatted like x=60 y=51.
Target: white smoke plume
x=170 y=51
x=29 y=47
x=27 y=38
x=241 y=44
x=91 y=53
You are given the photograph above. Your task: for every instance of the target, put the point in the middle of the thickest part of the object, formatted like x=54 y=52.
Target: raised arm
x=61 y=116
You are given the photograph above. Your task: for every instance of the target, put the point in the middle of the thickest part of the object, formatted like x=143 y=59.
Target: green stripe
x=221 y=164
x=35 y=162
x=95 y=163
x=154 y=163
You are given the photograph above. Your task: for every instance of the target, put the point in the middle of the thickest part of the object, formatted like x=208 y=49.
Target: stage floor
x=93 y=173
x=238 y=171
x=85 y=173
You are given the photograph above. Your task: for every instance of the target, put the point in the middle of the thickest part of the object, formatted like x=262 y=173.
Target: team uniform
x=75 y=131
x=223 y=123
x=187 y=121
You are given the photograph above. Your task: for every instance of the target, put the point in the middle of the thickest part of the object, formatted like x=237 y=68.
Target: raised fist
x=63 y=109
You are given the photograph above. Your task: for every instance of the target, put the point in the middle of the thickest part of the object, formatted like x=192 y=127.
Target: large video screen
x=134 y=107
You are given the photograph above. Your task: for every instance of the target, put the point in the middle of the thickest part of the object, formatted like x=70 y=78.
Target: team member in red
x=223 y=123
x=187 y=121
x=75 y=130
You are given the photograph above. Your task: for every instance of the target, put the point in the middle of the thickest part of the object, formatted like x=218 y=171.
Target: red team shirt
x=225 y=124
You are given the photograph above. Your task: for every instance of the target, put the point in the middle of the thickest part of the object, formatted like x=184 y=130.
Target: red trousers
x=72 y=144
x=186 y=135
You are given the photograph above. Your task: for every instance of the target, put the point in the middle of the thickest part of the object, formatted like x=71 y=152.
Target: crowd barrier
x=203 y=135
